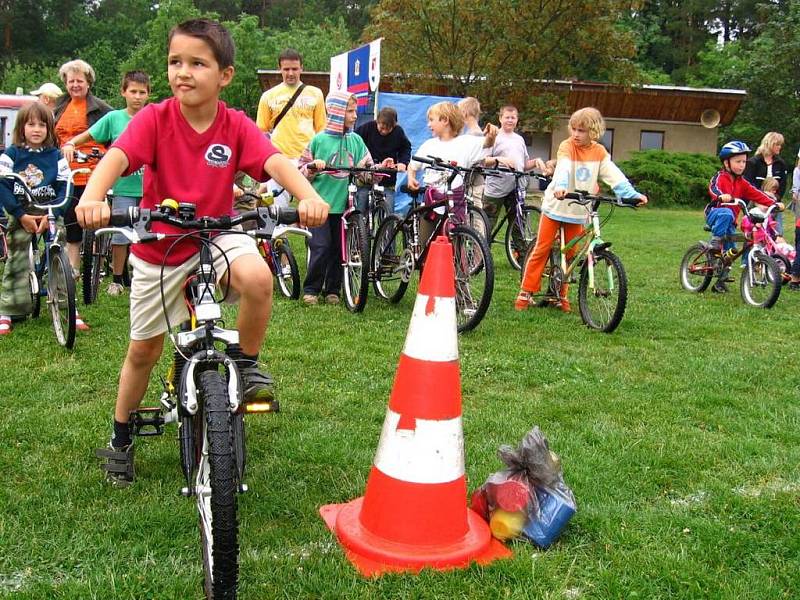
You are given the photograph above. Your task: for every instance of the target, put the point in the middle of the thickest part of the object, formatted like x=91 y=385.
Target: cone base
x=374 y=556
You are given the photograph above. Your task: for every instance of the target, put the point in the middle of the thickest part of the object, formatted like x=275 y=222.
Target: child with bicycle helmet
x=724 y=187
x=34 y=155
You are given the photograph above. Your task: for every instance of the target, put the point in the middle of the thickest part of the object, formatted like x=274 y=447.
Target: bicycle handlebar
x=26 y=191
x=584 y=198
x=141 y=219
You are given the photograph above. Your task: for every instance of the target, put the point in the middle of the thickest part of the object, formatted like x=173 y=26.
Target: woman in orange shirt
x=75 y=112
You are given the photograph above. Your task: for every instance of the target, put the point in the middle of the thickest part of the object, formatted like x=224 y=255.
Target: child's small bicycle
x=602 y=283
x=50 y=273
x=203 y=389
x=761 y=280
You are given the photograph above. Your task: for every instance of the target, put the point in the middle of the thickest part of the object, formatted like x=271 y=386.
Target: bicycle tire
x=355 y=268
x=478 y=220
x=286 y=270
x=379 y=214
x=61 y=297
x=216 y=489
x=761 y=283
x=517 y=240
x=784 y=267
x=603 y=307
x=35 y=280
x=390 y=260
x=474 y=276
x=697 y=268
x=90 y=267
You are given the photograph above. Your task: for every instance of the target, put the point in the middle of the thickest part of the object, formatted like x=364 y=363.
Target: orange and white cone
x=414 y=511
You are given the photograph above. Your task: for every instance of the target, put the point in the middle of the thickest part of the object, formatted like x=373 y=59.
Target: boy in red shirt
x=724 y=187
x=192 y=145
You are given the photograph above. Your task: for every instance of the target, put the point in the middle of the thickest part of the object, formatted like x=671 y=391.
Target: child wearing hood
x=334 y=146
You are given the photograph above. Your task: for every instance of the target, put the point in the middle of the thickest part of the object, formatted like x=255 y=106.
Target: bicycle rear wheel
x=91 y=266
x=520 y=232
x=474 y=271
x=761 y=281
x=216 y=489
x=286 y=270
x=356 y=263
x=392 y=263
x=61 y=297
x=697 y=268
x=603 y=291
x=478 y=220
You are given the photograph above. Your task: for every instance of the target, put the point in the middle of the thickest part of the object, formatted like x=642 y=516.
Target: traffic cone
x=414 y=511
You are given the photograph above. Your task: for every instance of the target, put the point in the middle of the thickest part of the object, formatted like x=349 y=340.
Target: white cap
x=48 y=89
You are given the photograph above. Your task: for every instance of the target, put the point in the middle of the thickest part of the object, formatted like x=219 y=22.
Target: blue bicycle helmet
x=733 y=148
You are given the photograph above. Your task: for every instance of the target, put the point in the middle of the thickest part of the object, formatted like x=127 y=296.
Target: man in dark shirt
x=389 y=147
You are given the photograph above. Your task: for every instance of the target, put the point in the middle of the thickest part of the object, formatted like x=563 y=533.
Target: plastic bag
x=529 y=498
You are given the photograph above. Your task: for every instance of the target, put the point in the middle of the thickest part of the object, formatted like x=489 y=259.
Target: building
x=677 y=119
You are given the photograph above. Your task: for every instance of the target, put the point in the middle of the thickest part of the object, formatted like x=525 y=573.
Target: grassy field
x=679 y=434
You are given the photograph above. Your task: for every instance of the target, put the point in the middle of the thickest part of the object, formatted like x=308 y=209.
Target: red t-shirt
x=192 y=167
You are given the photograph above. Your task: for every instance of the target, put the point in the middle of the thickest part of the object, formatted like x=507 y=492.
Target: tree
x=479 y=47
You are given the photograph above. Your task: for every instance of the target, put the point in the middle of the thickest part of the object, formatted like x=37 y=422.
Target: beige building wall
x=678 y=137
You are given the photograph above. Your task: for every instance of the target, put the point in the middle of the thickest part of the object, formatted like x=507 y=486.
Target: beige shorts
x=147 y=312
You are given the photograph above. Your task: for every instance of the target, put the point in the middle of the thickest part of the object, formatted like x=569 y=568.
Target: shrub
x=671 y=179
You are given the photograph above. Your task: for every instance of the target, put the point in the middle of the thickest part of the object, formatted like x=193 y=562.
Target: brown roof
x=646 y=102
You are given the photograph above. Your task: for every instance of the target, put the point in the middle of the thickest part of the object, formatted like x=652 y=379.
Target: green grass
x=679 y=434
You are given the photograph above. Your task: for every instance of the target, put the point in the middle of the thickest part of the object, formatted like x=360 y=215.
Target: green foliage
x=671 y=179
x=28 y=76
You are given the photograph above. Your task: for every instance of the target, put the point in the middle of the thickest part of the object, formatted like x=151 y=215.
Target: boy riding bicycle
x=723 y=188
x=192 y=145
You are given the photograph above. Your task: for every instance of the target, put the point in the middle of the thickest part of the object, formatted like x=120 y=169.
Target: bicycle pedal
x=147 y=422
x=262 y=406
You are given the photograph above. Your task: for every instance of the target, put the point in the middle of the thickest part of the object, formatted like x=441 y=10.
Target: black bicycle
x=400 y=249
x=203 y=388
x=95 y=252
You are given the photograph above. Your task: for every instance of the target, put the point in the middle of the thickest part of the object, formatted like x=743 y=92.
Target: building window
x=607 y=141
x=651 y=140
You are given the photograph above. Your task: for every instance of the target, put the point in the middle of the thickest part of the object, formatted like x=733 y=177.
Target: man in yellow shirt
x=291 y=130
x=303 y=120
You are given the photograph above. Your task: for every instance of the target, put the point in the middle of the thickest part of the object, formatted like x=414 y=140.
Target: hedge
x=671 y=179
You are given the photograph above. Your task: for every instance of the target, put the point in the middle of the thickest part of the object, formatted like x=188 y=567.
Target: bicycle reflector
x=261 y=407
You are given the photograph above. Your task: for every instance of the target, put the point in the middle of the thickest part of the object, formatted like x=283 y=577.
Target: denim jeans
x=325 y=267
x=722 y=223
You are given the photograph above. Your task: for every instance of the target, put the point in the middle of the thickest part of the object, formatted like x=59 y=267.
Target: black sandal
x=117 y=465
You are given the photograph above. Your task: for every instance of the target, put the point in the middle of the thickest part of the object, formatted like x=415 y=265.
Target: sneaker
x=720 y=288
x=310 y=299
x=258 y=385
x=332 y=299
x=793 y=285
x=523 y=301
x=117 y=464
x=5 y=325
x=80 y=324
x=564 y=306
x=715 y=244
x=115 y=289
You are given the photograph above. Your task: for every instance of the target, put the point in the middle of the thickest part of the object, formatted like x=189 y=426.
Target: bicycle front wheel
x=474 y=271
x=602 y=291
x=697 y=268
x=391 y=260
x=355 y=263
x=35 y=279
x=61 y=297
x=520 y=232
x=286 y=270
x=761 y=281
x=216 y=489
